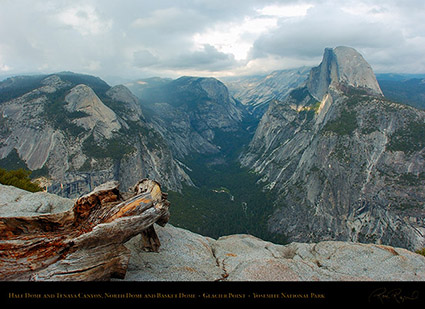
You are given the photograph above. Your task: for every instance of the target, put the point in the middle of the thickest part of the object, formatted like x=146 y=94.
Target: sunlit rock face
x=342 y=66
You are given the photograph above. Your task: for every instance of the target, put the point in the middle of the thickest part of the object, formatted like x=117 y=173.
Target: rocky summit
x=343 y=162
x=342 y=65
x=74 y=132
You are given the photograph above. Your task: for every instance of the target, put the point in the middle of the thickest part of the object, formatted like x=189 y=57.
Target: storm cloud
x=131 y=39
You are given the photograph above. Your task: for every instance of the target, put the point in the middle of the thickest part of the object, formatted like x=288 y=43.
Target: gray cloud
x=143 y=58
x=378 y=29
x=325 y=27
x=209 y=59
x=134 y=39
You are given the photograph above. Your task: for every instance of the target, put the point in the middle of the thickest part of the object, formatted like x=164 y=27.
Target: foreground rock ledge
x=86 y=242
x=187 y=256
x=46 y=237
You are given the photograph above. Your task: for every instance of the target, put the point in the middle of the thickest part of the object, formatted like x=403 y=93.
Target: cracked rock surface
x=186 y=256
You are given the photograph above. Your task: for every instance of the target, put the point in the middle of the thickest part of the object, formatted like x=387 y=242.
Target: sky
x=129 y=39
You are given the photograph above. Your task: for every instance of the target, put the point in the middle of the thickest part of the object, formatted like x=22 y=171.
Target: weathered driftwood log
x=86 y=242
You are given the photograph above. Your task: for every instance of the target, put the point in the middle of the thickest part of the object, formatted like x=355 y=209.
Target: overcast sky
x=171 y=38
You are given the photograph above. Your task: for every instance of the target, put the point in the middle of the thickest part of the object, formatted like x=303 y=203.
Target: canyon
x=304 y=155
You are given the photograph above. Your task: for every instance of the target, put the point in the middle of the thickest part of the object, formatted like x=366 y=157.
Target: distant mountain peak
x=82 y=98
x=342 y=66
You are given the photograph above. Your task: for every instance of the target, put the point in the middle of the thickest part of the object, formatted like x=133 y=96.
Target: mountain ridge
x=256 y=92
x=352 y=148
x=78 y=131
x=332 y=161
x=189 y=111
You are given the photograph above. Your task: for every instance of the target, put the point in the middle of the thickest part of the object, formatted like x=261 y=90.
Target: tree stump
x=85 y=243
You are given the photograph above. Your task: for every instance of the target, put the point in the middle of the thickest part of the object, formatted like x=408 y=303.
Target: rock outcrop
x=78 y=132
x=343 y=162
x=247 y=258
x=83 y=99
x=342 y=65
x=83 y=243
x=15 y=202
x=109 y=234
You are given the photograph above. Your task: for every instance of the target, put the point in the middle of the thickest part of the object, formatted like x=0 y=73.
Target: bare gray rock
x=186 y=256
x=82 y=98
x=129 y=102
x=183 y=256
x=342 y=65
x=18 y=202
x=191 y=113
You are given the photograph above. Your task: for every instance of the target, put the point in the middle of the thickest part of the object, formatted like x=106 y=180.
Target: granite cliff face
x=191 y=112
x=343 y=162
x=342 y=65
x=76 y=132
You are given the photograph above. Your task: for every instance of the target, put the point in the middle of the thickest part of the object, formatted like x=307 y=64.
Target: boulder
x=18 y=202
